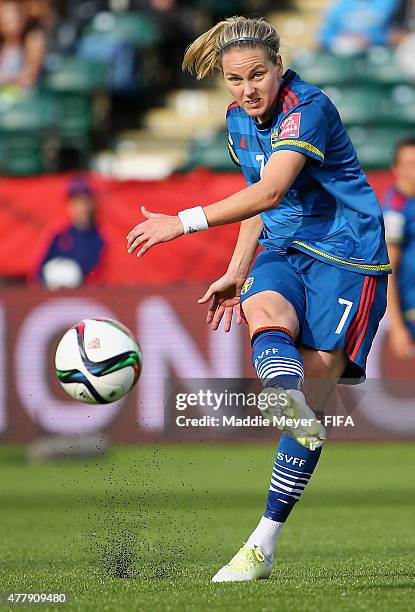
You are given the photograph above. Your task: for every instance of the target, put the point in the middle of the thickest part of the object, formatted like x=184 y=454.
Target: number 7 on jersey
x=348 y=306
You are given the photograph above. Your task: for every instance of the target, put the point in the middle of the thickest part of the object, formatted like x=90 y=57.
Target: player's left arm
x=279 y=174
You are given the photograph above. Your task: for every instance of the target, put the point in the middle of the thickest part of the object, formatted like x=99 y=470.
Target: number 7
x=261 y=159
x=346 y=313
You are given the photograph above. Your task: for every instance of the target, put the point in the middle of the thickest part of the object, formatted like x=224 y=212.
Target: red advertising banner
x=178 y=345
x=31 y=210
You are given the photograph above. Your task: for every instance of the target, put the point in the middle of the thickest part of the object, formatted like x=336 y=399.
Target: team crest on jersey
x=274 y=138
x=290 y=127
x=247 y=285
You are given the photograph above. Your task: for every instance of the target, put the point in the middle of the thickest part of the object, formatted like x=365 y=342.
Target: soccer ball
x=98 y=361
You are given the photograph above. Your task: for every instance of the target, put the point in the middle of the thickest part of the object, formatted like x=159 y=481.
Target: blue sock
x=276 y=359
x=279 y=364
x=293 y=467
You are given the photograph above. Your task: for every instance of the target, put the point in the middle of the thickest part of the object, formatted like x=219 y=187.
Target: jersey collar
x=288 y=76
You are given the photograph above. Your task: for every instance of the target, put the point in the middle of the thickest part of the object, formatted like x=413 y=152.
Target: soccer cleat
x=248 y=564
x=285 y=415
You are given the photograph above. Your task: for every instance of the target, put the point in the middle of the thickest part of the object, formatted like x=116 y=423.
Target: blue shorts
x=336 y=308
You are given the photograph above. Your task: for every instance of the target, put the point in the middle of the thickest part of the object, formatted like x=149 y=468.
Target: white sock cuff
x=265 y=536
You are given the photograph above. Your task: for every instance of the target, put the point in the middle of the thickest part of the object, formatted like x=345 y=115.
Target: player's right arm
x=245 y=248
x=225 y=292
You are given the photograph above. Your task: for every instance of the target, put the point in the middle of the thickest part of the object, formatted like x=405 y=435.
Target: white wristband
x=193 y=220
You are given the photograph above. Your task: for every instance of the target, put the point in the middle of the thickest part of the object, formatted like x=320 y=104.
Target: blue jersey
x=330 y=212
x=399 y=212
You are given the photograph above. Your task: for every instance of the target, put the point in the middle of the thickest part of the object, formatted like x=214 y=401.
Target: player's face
x=404 y=170
x=253 y=80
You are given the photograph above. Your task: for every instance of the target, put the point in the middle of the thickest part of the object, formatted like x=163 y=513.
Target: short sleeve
x=305 y=130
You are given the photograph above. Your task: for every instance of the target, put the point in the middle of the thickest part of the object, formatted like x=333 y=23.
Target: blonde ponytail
x=201 y=58
x=204 y=55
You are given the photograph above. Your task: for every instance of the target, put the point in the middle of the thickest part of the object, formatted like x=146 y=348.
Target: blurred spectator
x=399 y=213
x=402 y=37
x=403 y=22
x=73 y=256
x=40 y=14
x=179 y=24
x=351 y=26
x=22 y=50
x=43 y=18
x=118 y=53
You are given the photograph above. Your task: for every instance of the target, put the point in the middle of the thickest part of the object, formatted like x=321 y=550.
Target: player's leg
x=294 y=463
x=292 y=470
x=274 y=326
x=344 y=309
x=323 y=370
x=273 y=302
x=343 y=312
x=347 y=334
x=272 y=306
x=268 y=308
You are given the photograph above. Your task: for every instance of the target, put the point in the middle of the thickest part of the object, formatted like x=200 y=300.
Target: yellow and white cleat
x=248 y=564
x=288 y=411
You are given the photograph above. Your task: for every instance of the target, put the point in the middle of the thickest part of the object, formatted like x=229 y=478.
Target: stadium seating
x=358 y=105
x=375 y=145
x=136 y=28
x=297 y=22
x=381 y=66
x=116 y=55
x=401 y=105
x=28 y=136
x=323 y=68
x=211 y=153
x=121 y=41
x=73 y=86
x=375 y=104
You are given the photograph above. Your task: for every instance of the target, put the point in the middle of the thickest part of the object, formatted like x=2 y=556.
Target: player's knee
x=266 y=311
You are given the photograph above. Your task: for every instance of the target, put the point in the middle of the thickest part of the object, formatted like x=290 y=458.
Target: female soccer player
x=320 y=283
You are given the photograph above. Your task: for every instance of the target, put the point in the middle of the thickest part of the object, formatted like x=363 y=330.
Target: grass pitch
x=145 y=528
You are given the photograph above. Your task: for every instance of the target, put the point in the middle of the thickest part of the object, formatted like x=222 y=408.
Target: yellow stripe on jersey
x=374 y=268
x=301 y=144
x=234 y=155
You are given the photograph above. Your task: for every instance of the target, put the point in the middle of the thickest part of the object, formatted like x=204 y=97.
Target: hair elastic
x=252 y=39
